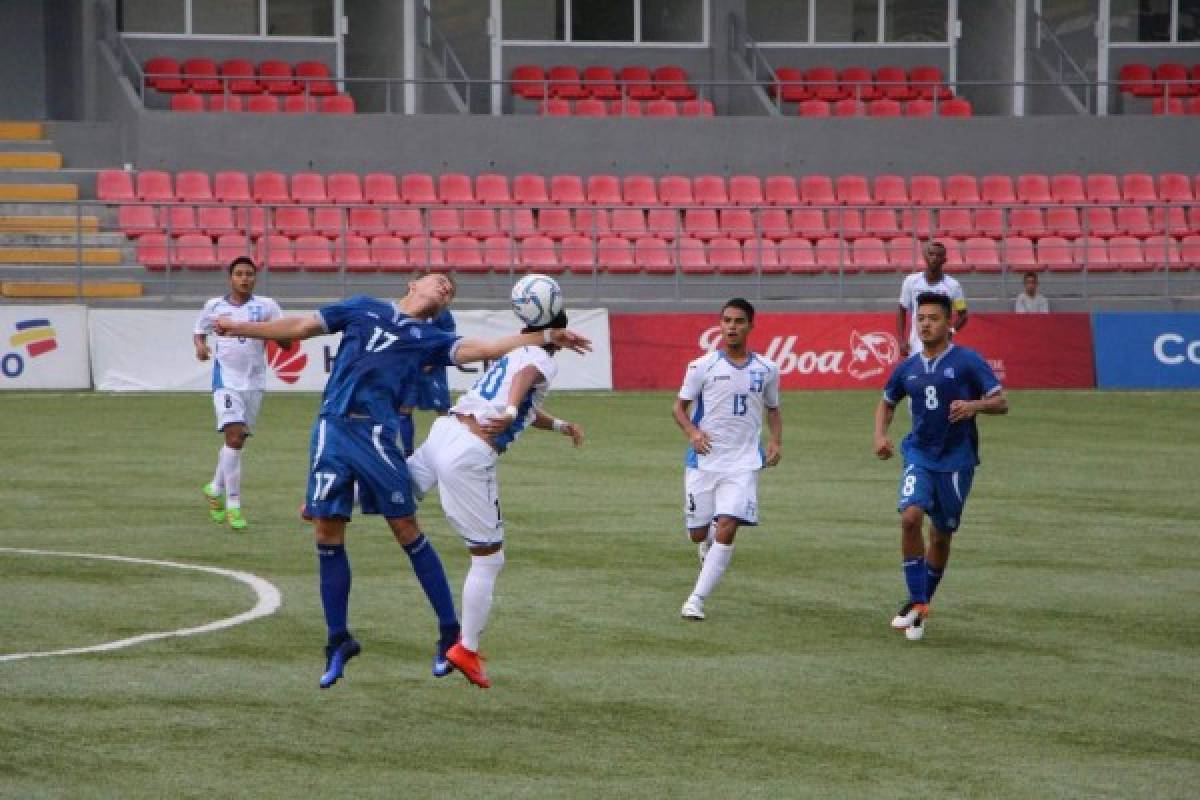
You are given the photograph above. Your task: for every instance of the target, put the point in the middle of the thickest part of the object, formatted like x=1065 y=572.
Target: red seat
x=697 y=108
x=817 y=190
x=492 y=190
x=555 y=107
x=917 y=222
x=904 y=253
x=991 y=222
x=822 y=82
x=856 y=83
x=662 y=108
x=710 y=190
x=1175 y=187
x=591 y=108
x=136 y=220
x=500 y=253
x=918 y=108
x=225 y=103
x=762 y=256
x=252 y=220
x=315 y=79
x=881 y=222
x=746 y=190
x=962 y=190
x=926 y=190
x=293 y=221
x=1067 y=188
x=636 y=81
x=1193 y=105
x=1161 y=251
x=163 y=75
x=625 y=108
x=725 y=255
x=796 y=255
x=404 y=222
x=187 y=102
x=853 y=190
x=737 y=223
x=309 y=187
x=445 y=222
x=115 y=186
x=578 y=254
x=601 y=82
x=1134 y=221
x=337 y=104
x=956 y=107
x=300 y=104
x=928 y=82
x=810 y=223
x=890 y=190
x=892 y=83
x=869 y=254
x=555 y=222
x=454 y=188
x=354 y=252
x=344 y=187
x=155 y=251
x=426 y=252
x=177 y=220
x=1173 y=79
x=628 y=222
x=781 y=190
x=389 y=253
x=1136 y=79
x=480 y=222
x=955 y=222
x=614 y=254
x=884 y=108
x=528 y=81
x=530 y=190
x=1125 y=252
x=154 y=186
x=1063 y=221
x=981 y=254
x=567 y=190
x=329 y=221
x=418 y=189
x=592 y=221
x=653 y=256
x=675 y=190
x=1138 y=187
x=463 y=254
x=313 y=254
x=664 y=223
x=702 y=223
x=367 y=221
x=565 y=83
x=692 y=256
x=1023 y=221
x=846 y=223
x=231 y=246
x=381 y=187
x=672 y=83
x=1171 y=219
x=639 y=190
x=1056 y=254
x=195 y=251
x=849 y=107
x=1099 y=221
x=1171 y=106
x=262 y=104
x=1018 y=254
x=518 y=222
x=955 y=263
x=604 y=190
x=833 y=255
x=789 y=86
x=1103 y=189
x=813 y=108
x=1190 y=252
x=239 y=77
x=997 y=190
x=277 y=77
x=1034 y=189
x=201 y=75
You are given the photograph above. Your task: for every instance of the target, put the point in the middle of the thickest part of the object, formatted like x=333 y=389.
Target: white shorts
x=708 y=495
x=234 y=405
x=463 y=467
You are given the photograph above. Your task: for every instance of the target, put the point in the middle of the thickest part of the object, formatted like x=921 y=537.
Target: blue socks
x=429 y=571
x=932 y=578
x=915 y=574
x=334 y=568
x=407 y=430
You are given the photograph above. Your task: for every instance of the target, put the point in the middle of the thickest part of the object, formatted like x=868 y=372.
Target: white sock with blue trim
x=715 y=564
x=231 y=470
x=477 y=596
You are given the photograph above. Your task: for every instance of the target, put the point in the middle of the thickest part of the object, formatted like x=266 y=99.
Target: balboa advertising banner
x=1147 y=351
x=153 y=351
x=852 y=351
x=44 y=347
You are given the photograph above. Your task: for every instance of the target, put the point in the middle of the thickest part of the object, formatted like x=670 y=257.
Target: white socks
x=715 y=564
x=218 y=480
x=230 y=469
x=477 y=596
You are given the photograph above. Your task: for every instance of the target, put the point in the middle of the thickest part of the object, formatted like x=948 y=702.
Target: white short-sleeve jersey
x=730 y=403
x=238 y=362
x=917 y=284
x=488 y=398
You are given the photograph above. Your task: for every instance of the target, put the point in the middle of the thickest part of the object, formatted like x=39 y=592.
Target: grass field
x=1062 y=659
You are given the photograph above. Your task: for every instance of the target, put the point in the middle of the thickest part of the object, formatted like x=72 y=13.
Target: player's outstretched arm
x=549 y=423
x=284 y=328
x=470 y=350
x=883 y=420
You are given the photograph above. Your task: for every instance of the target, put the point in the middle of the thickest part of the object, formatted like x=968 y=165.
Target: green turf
x=1061 y=659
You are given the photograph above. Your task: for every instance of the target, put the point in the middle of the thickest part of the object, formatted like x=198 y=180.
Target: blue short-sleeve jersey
x=958 y=373
x=382 y=354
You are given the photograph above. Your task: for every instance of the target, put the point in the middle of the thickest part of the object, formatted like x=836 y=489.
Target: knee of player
x=405 y=529
x=912 y=518
x=235 y=438
x=727 y=528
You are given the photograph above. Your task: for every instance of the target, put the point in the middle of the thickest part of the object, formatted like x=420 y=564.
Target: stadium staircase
x=42 y=227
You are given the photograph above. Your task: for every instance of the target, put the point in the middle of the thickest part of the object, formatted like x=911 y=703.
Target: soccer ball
x=536 y=299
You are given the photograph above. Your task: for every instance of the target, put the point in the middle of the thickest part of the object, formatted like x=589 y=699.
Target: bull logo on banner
x=868 y=355
x=871 y=354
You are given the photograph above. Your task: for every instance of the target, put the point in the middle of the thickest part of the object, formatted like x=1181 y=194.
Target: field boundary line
x=268 y=601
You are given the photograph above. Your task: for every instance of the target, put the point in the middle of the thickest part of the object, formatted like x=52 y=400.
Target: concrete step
x=33 y=192
x=42 y=160
x=22 y=130
x=84 y=178
x=38 y=223
x=61 y=255
x=107 y=215
x=69 y=289
x=60 y=239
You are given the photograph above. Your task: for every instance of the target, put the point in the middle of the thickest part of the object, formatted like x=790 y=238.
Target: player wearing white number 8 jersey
x=459 y=457
x=733 y=389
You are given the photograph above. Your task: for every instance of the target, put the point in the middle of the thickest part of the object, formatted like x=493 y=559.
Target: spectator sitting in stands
x=1031 y=301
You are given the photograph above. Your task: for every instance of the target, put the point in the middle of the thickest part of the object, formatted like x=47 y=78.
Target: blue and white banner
x=1147 y=351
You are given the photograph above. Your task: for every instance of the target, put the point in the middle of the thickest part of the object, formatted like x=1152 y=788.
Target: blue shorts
x=345 y=451
x=942 y=495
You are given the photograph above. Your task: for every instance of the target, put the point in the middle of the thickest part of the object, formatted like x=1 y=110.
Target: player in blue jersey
x=431 y=392
x=947 y=385
x=385 y=346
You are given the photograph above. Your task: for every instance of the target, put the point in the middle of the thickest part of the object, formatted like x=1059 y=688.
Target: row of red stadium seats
x=849 y=107
x=702 y=222
x=669 y=82
x=793 y=85
x=1142 y=80
x=156 y=186
x=1175 y=106
x=238 y=76
x=264 y=103
x=585 y=255
x=558 y=107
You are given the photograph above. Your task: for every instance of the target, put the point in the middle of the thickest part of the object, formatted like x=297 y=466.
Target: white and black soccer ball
x=536 y=299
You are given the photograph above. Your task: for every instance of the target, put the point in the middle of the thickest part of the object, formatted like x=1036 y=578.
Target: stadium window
x=602 y=21
x=672 y=20
x=1189 y=21
x=1140 y=21
x=777 y=20
x=299 y=17
x=847 y=20
x=915 y=21
x=230 y=17
x=534 y=20
x=152 y=16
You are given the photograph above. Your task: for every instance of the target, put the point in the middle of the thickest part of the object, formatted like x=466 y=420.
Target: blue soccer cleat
x=336 y=657
x=442 y=667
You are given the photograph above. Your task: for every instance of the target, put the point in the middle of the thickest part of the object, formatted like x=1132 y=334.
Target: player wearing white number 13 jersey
x=733 y=389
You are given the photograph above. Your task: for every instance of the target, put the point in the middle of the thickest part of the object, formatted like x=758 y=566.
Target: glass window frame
x=337 y=11
x=880 y=32
x=1172 y=38
x=637 y=41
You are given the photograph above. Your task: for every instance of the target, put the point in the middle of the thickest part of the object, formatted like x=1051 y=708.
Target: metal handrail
x=1043 y=31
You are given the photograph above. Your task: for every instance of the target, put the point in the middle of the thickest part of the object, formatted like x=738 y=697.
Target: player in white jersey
x=734 y=389
x=930 y=279
x=239 y=377
x=459 y=457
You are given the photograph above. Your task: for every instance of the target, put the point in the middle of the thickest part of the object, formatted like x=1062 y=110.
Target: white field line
x=269 y=600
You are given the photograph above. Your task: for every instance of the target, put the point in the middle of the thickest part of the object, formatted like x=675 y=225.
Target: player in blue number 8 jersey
x=947 y=385
x=385 y=346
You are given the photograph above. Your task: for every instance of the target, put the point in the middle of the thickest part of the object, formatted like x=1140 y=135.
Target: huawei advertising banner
x=852 y=351
x=153 y=351
x=44 y=347
x=1147 y=351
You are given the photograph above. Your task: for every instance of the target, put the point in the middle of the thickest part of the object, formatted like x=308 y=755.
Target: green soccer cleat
x=216 y=503
x=235 y=518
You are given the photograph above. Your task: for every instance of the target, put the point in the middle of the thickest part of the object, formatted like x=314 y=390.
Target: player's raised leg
x=427 y=566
